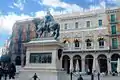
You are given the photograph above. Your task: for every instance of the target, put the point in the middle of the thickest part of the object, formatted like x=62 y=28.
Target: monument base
x=27 y=74
x=45 y=68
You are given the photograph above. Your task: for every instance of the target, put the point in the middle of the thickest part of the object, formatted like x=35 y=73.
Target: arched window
x=66 y=63
x=76 y=42
x=101 y=42
x=88 y=43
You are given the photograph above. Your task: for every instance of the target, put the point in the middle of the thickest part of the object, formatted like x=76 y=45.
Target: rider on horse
x=48 y=18
x=48 y=25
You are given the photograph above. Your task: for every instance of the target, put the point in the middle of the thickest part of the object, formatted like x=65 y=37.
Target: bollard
x=98 y=76
x=70 y=75
x=35 y=77
x=92 y=76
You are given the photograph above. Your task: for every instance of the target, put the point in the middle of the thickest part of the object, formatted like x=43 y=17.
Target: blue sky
x=12 y=10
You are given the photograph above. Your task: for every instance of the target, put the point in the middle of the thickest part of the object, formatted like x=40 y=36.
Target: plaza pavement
x=85 y=77
x=88 y=77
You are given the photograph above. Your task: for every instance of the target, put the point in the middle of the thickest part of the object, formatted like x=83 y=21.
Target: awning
x=88 y=40
x=77 y=39
x=100 y=38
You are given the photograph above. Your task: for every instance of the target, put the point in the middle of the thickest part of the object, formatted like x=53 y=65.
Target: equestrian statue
x=48 y=27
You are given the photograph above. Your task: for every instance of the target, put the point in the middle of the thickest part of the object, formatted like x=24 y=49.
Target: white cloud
x=118 y=3
x=71 y=7
x=19 y=4
x=59 y=3
x=52 y=11
x=103 y=4
x=11 y=6
x=40 y=13
x=7 y=21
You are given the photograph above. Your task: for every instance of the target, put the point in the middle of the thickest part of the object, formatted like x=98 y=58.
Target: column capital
x=82 y=58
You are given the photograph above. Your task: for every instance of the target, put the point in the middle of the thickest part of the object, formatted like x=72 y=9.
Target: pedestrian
x=5 y=70
x=1 y=72
x=12 y=71
x=80 y=78
x=35 y=77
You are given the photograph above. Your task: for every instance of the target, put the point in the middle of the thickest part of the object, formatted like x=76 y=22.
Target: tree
x=5 y=58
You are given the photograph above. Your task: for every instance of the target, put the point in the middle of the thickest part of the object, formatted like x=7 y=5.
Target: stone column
x=27 y=58
x=22 y=59
x=83 y=64
x=71 y=64
x=109 y=65
x=97 y=65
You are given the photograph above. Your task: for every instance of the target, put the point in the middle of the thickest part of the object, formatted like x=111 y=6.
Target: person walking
x=35 y=77
x=5 y=70
x=1 y=72
x=12 y=71
x=80 y=78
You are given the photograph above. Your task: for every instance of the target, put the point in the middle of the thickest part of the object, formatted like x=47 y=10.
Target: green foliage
x=5 y=58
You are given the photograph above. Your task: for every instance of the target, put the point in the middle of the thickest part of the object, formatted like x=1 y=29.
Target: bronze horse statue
x=53 y=27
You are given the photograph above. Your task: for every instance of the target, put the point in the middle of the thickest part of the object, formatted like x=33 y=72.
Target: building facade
x=23 y=31
x=86 y=37
x=114 y=35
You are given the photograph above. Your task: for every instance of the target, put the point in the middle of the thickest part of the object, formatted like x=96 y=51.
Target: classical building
x=91 y=38
x=23 y=31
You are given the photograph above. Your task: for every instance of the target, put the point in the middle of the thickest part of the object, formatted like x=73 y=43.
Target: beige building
x=85 y=38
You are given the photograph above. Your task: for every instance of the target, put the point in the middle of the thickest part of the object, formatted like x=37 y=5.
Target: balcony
x=114 y=48
x=115 y=34
x=114 y=21
x=89 y=47
x=101 y=47
x=77 y=48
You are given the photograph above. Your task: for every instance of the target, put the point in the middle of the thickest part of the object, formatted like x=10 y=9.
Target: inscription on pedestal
x=41 y=58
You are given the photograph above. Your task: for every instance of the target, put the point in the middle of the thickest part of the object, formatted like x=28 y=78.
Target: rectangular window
x=113 y=18
x=113 y=29
x=66 y=25
x=40 y=57
x=101 y=43
x=88 y=23
x=100 y=22
x=114 y=43
x=76 y=25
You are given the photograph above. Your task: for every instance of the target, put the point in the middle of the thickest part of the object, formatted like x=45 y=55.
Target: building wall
x=23 y=31
x=117 y=23
x=69 y=33
x=94 y=32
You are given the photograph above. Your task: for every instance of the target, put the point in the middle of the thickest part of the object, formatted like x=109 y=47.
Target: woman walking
x=12 y=71
x=5 y=70
x=1 y=72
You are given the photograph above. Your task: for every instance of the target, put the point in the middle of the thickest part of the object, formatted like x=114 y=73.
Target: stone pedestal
x=51 y=70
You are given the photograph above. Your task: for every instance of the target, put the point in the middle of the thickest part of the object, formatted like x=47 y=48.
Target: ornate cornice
x=77 y=17
x=113 y=11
